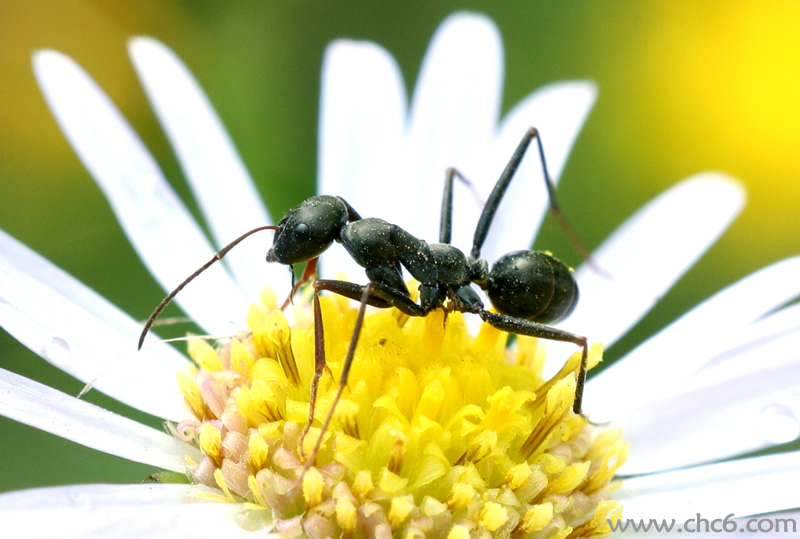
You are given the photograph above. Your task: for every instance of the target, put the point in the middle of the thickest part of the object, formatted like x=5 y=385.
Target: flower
x=740 y=343
x=437 y=433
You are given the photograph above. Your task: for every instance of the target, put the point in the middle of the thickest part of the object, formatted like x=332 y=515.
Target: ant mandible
x=529 y=289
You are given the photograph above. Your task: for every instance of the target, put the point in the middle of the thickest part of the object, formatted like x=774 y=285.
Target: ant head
x=308 y=229
x=532 y=285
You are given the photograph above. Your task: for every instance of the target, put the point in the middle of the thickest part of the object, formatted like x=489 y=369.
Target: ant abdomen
x=532 y=285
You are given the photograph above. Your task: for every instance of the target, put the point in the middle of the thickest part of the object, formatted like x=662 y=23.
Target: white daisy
x=719 y=382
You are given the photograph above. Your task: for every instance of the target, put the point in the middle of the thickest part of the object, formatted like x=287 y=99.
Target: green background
x=684 y=87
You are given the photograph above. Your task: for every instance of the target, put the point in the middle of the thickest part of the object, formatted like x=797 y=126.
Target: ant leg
x=349 y=290
x=381 y=295
x=319 y=365
x=446 y=223
x=309 y=274
x=374 y=294
x=490 y=209
x=532 y=329
x=348 y=361
x=367 y=296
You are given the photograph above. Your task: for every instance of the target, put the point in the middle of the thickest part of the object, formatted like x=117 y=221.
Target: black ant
x=529 y=289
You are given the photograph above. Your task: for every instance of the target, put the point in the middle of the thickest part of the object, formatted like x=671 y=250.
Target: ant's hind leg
x=446 y=222
x=490 y=209
x=532 y=329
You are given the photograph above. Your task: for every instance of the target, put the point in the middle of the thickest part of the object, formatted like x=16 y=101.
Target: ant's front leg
x=520 y=326
x=374 y=294
x=320 y=353
x=320 y=364
x=380 y=295
x=309 y=274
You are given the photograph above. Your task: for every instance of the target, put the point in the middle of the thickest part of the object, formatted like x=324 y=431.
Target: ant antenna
x=217 y=256
x=188 y=338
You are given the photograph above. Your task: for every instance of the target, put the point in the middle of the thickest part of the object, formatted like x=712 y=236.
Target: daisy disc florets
x=437 y=434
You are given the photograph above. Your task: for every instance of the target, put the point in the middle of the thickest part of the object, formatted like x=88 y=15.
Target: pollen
x=437 y=433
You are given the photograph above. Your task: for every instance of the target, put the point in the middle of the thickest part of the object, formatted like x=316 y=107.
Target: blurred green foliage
x=684 y=87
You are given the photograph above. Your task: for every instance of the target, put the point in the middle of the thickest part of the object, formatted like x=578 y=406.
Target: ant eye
x=301 y=230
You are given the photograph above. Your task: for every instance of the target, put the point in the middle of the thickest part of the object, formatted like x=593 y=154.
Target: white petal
x=149 y=510
x=453 y=120
x=45 y=408
x=158 y=225
x=650 y=251
x=89 y=496
x=750 y=397
x=783 y=322
x=81 y=333
x=743 y=487
x=558 y=111
x=749 y=401
x=656 y=367
x=219 y=180
x=361 y=135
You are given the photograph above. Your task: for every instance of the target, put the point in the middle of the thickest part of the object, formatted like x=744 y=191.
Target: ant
x=528 y=289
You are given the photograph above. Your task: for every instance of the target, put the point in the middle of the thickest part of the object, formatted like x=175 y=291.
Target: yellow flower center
x=437 y=433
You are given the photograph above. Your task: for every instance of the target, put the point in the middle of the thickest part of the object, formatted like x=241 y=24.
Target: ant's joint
x=479 y=272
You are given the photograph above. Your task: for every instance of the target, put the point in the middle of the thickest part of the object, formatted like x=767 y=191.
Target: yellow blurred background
x=684 y=87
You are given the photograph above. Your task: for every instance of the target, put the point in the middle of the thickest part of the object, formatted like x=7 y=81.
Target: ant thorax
x=452 y=266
